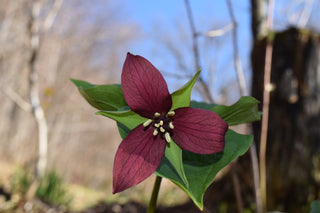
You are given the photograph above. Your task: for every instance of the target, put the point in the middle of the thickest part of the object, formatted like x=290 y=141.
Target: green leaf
x=128 y=118
x=200 y=170
x=315 y=206
x=82 y=84
x=245 y=110
x=181 y=97
x=102 y=97
x=123 y=130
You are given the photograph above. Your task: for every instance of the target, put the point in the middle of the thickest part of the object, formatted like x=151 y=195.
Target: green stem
x=154 y=196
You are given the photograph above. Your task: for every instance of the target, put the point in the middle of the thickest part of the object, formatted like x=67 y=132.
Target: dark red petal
x=199 y=131
x=144 y=88
x=138 y=156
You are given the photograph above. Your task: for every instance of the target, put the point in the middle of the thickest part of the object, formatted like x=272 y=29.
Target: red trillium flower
x=140 y=153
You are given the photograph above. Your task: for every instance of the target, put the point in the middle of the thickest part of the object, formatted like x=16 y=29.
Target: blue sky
x=168 y=19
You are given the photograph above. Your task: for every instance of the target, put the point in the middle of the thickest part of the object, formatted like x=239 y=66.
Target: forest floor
x=84 y=200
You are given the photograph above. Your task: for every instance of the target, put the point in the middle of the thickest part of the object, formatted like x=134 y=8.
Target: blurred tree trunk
x=69 y=46
x=16 y=126
x=293 y=149
x=258 y=21
x=34 y=94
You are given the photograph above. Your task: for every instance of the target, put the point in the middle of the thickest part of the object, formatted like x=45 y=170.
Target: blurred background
x=44 y=43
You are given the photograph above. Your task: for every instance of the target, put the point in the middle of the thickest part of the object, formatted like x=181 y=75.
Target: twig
x=256 y=181
x=35 y=29
x=195 y=35
x=236 y=58
x=48 y=22
x=236 y=187
x=305 y=14
x=265 y=108
x=219 y=32
x=16 y=98
x=243 y=92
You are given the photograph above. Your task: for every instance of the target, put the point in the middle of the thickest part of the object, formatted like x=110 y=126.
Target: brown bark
x=294 y=120
x=258 y=21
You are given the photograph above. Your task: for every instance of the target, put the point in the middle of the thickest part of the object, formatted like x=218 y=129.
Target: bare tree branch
x=256 y=180
x=35 y=29
x=236 y=58
x=37 y=109
x=16 y=98
x=306 y=13
x=194 y=36
x=299 y=17
x=48 y=22
x=207 y=94
x=219 y=32
x=243 y=92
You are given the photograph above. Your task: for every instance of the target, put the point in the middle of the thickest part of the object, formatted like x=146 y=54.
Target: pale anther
x=157 y=114
x=155 y=132
x=161 y=123
x=147 y=123
x=162 y=129
x=171 y=113
x=157 y=125
x=171 y=125
x=167 y=137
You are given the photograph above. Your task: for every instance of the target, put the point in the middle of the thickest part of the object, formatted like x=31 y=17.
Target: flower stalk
x=154 y=196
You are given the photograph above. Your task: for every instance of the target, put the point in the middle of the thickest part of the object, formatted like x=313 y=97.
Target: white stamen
x=171 y=125
x=162 y=129
x=167 y=137
x=157 y=114
x=161 y=123
x=147 y=123
x=155 y=132
x=157 y=125
x=171 y=113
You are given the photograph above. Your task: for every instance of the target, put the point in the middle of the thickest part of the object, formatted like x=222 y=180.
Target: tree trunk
x=293 y=148
x=258 y=21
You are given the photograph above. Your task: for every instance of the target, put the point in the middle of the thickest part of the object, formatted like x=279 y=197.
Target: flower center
x=162 y=123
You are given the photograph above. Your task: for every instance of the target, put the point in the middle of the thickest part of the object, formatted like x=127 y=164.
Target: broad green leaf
x=102 y=97
x=128 y=118
x=245 y=110
x=201 y=105
x=107 y=97
x=173 y=154
x=181 y=97
x=200 y=170
x=315 y=206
